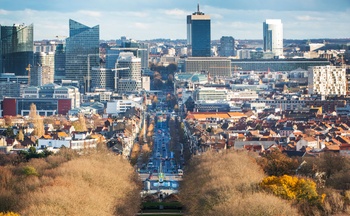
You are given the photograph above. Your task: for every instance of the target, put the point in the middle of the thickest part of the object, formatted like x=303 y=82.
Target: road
x=161 y=174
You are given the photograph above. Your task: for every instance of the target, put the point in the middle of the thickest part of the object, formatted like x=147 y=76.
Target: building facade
x=273 y=36
x=327 y=80
x=128 y=70
x=214 y=66
x=276 y=64
x=102 y=78
x=210 y=93
x=43 y=69
x=12 y=85
x=82 y=52
x=60 y=63
x=16 y=48
x=198 y=34
x=227 y=46
x=54 y=91
x=44 y=106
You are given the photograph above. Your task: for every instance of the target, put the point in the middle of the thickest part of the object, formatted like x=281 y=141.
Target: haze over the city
x=139 y=19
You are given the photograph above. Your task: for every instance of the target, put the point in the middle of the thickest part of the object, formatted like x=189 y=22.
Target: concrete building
x=198 y=34
x=210 y=93
x=12 y=85
x=128 y=85
x=128 y=70
x=215 y=66
x=82 y=52
x=102 y=78
x=327 y=80
x=146 y=83
x=45 y=106
x=276 y=64
x=10 y=89
x=121 y=106
x=54 y=91
x=43 y=69
x=273 y=36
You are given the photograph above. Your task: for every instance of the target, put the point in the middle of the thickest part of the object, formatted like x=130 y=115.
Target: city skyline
x=142 y=20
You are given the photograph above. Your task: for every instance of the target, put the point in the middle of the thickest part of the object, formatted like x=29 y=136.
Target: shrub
x=29 y=171
x=8 y=214
x=291 y=188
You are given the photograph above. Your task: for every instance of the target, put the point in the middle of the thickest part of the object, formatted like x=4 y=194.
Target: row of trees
x=327 y=174
x=227 y=183
x=219 y=183
x=94 y=183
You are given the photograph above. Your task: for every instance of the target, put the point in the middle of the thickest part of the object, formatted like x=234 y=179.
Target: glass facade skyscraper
x=198 y=34
x=60 y=63
x=227 y=46
x=82 y=48
x=273 y=36
x=16 y=48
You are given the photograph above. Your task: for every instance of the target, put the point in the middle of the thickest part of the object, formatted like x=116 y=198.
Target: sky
x=151 y=19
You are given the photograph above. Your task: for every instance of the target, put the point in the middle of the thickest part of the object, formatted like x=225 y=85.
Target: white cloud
x=4 y=12
x=309 y=18
x=171 y=23
x=140 y=25
x=176 y=12
x=90 y=13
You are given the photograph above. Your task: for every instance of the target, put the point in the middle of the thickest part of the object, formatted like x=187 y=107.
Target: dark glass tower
x=16 y=48
x=198 y=34
x=227 y=46
x=82 y=49
x=60 y=63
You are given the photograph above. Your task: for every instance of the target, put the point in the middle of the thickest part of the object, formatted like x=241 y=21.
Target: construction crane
x=28 y=69
x=116 y=75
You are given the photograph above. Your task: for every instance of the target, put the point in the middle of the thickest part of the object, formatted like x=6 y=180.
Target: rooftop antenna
x=198 y=7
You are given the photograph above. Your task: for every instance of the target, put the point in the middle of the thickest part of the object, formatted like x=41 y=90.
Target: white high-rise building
x=128 y=72
x=327 y=80
x=273 y=36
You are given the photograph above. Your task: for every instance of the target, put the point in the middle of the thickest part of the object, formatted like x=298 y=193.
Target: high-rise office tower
x=16 y=48
x=42 y=71
x=141 y=50
x=60 y=63
x=273 y=36
x=128 y=76
x=82 y=52
x=227 y=46
x=198 y=34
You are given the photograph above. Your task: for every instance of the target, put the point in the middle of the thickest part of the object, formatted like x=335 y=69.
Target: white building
x=68 y=92
x=128 y=69
x=146 y=83
x=273 y=36
x=68 y=142
x=120 y=106
x=327 y=80
x=52 y=90
x=43 y=70
x=102 y=78
x=210 y=93
x=128 y=85
x=246 y=95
